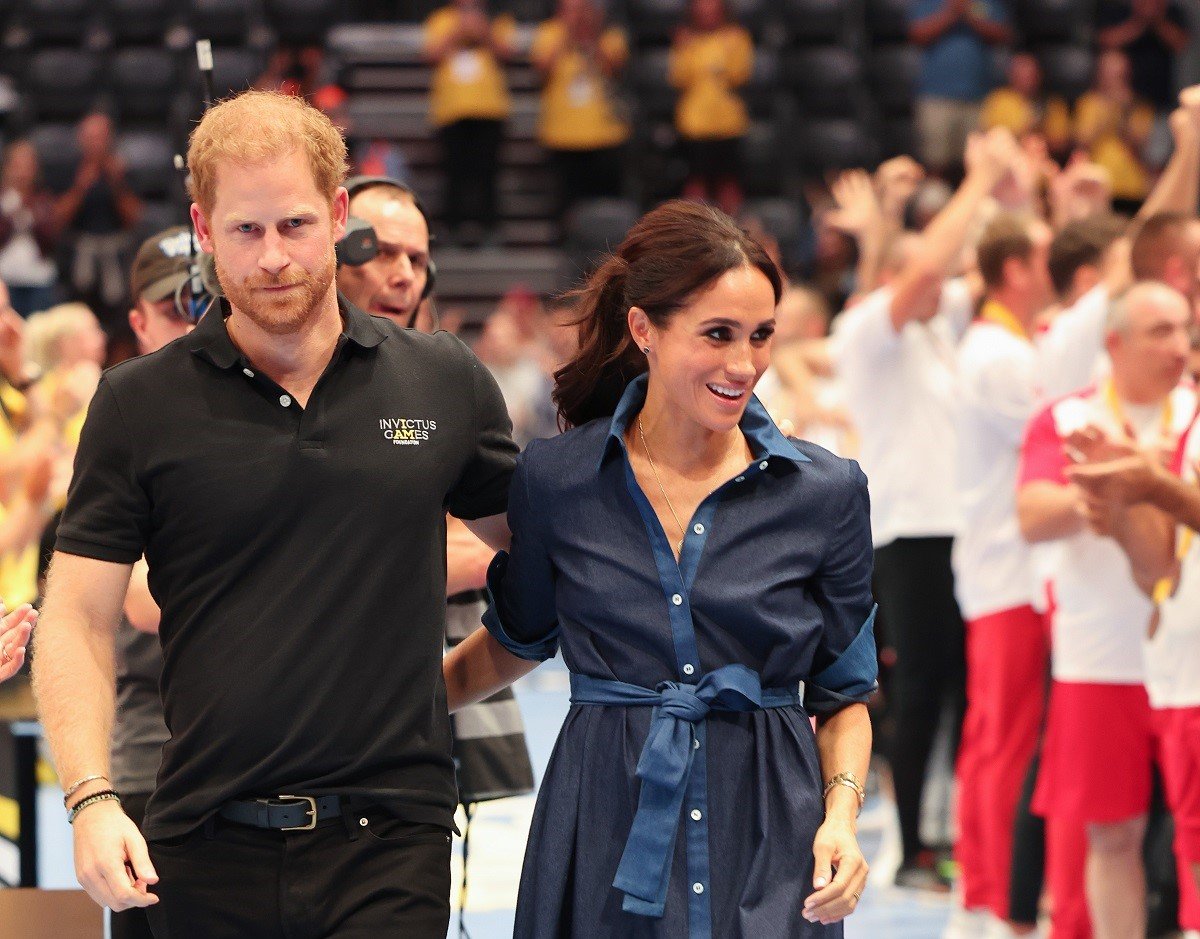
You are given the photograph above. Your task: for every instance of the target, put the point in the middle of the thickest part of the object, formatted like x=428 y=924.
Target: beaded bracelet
x=850 y=781
x=79 y=784
x=105 y=795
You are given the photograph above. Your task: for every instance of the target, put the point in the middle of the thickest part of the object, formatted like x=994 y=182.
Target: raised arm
x=73 y=681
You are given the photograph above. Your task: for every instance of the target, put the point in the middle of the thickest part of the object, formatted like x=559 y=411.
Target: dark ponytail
x=672 y=253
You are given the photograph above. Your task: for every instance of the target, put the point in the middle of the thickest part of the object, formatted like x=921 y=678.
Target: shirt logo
x=406 y=432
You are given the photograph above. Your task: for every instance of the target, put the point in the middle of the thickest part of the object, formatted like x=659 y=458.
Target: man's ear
x=203 y=232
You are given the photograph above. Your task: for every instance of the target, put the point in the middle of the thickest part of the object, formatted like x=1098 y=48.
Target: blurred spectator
x=515 y=366
x=1082 y=189
x=1113 y=124
x=469 y=104
x=1151 y=33
x=27 y=231
x=292 y=71
x=581 y=122
x=955 y=72
x=1024 y=107
x=98 y=211
x=67 y=344
x=710 y=57
x=369 y=157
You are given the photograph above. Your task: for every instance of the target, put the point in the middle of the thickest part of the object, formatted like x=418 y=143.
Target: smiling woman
x=696 y=566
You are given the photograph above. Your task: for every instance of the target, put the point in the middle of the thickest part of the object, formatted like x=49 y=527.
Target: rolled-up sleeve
x=844 y=667
x=521 y=613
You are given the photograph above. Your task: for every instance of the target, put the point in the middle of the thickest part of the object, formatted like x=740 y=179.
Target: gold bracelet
x=851 y=782
x=79 y=784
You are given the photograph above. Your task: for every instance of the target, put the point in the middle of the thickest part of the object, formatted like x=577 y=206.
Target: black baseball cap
x=162 y=264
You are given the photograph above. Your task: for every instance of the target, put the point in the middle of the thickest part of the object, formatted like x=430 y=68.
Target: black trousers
x=132 y=924
x=471 y=159
x=915 y=591
x=342 y=880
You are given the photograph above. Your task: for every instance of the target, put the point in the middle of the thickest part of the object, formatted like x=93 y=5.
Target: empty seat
x=234 y=70
x=832 y=144
x=596 y=226
x=51 y=22
x=223 y=21
x=897 y=136
x=654 y=21
x=62 y=84
x=1066 y=69
x=815 y=21
x=140 y=21
x=763 y=159
x=58 y=153
x=784 y=220
x=893 y=73
x=526 y=10
x=887 y=20
x=828 y=80
x=761 y=92
x=1041 y=20
x=649 y=72
x=144 y=82
x=302 y=22
x=149 y=166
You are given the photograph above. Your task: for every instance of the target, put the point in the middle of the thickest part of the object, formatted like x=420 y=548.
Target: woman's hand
x=837 y=895
x=14 y=637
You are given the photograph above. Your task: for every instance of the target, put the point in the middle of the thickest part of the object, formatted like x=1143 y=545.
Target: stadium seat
x=817 y=21
x=785 y=221
x=893 y=71
x=1041 y=20
x=63 y=84
x=302 y=22
x=764 y=163
x=761 y=93
x=225 y=22
x=897 y=136
x=54 y=22
x=887 y=20
x=596 y=226
x=655 y=95
x=833 y=144
x=1067 y=69
x=755 y=15
x=526 y=11
x=144 y=83
x=140 y=21
x=58 y=153
x=148 y=157
x=827 y=80
x=654 y=21
x=234 y=69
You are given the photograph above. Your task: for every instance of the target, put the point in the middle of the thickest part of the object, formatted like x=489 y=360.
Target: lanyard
x=1002 y=316
x=1166 y=421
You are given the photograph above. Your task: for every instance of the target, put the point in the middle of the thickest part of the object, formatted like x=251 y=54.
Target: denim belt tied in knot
x=666 y=764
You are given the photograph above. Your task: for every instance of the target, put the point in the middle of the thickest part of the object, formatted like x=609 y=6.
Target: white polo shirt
x=1100 y=615
x=1173 y=653
x=1070 y=352
x=991 y=560
x=900 y=391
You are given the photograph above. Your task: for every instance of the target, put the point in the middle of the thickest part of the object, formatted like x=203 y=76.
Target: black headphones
x=360 y=244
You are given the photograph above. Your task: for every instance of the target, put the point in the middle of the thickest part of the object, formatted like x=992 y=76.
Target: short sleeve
x=1042 y=456
x=864 y=334
x=107 y=516
x=741 y=57
x=482 y=489
x=438 y=26
x=845 y=666
x=521 y=614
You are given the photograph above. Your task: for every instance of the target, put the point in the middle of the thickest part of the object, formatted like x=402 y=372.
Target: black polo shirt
x=298 y=556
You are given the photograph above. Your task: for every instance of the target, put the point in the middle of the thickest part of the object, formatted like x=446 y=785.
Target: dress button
x=740 y=479
x=689 y=668
x=285 y=400
x=697 y=815
x=247 y=373
x=677 y=600
x=762 y=465
x=362 y=822
x=697 y=887
x=698 y=529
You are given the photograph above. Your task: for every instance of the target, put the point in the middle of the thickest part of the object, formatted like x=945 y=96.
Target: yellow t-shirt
x=18 y=569
x=1005 y=107
x=1098 y=120
x=468 y=83
x=706 y=68
x=578 y=110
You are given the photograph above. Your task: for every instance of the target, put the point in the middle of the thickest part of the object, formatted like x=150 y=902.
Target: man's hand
x=111 y=859
x=1127 y=480
x=858 y=211
x=991 y=156
x=1092 y=444
x=15 y=630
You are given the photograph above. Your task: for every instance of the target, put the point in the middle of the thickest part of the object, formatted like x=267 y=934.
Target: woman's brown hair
x=672 y=253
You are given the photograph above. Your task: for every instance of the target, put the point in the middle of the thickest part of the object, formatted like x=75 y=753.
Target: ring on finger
x=857 y=896
x=5 y=658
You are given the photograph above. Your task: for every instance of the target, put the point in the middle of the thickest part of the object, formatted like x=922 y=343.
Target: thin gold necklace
x=661 y=488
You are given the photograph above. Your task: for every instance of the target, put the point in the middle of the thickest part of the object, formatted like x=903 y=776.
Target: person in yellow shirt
x=710 y=58
x=1113 y=124
x=581 y=121
x=468 y=105
x=1023 y=107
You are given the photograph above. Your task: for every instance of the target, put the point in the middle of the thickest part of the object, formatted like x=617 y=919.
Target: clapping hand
x=15 y=630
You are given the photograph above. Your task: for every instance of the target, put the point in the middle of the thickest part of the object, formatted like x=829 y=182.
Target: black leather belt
x=286 y=813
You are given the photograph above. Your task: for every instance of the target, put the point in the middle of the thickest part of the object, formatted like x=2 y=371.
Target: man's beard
x=287 y=312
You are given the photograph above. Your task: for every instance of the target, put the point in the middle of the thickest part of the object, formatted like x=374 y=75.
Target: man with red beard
x=285 y=469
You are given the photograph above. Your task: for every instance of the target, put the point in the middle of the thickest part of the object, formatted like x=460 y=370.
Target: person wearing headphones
x=396 y=279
